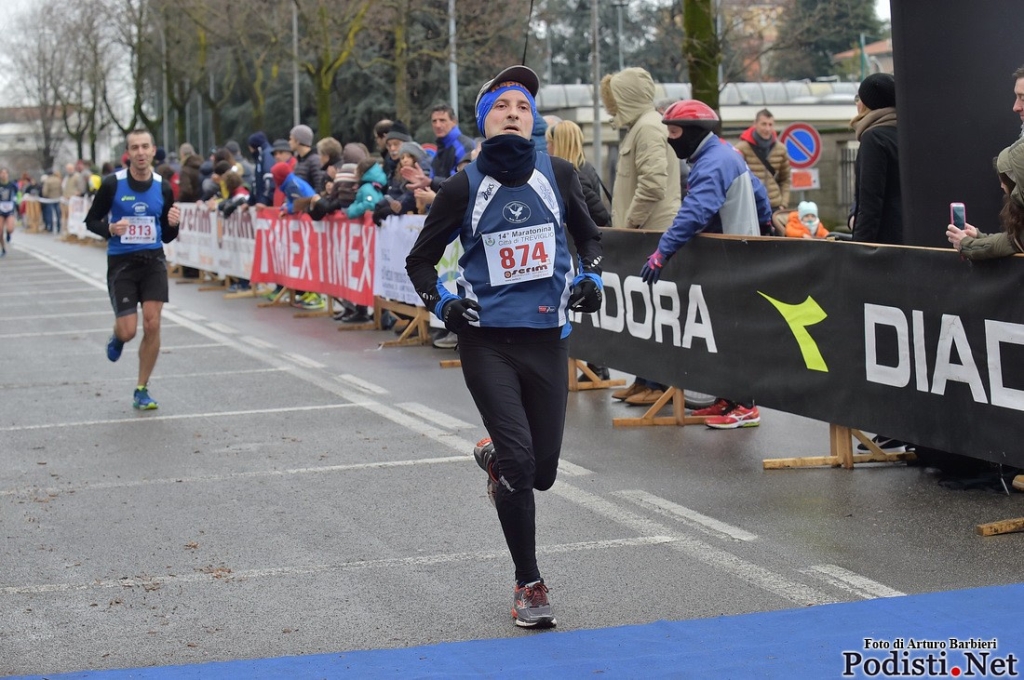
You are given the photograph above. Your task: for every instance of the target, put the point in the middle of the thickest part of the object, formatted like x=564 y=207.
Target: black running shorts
x=135 y=278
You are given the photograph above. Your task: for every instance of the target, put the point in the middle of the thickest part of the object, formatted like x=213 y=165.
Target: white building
x=21 y=139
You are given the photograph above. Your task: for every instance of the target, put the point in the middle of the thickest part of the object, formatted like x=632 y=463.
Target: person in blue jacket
x=372 y=182
x=290 y=185
x=511 y=208
x=134 y=211
x=262 y=193
x=722 y=197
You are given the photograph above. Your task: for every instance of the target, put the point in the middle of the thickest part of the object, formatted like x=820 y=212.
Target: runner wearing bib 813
x=134 y=210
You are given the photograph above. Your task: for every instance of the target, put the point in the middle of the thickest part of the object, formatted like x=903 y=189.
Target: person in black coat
x=879 y=212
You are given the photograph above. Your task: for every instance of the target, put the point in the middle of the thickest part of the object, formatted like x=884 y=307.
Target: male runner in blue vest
x=511 y=208
x=134 y=210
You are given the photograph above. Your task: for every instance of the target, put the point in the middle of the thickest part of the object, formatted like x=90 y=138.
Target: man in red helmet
x=722 y=197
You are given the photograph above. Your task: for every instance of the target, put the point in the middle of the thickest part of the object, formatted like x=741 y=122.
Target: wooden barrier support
x=1006 y=526
x=418 y=330
x=650 y=417
x=282 y=297
x=451 y=363
x=212 y=282
x=841 y=452
x=595 y=383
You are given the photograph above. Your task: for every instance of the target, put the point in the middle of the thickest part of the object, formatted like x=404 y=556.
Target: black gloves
x=457 y=314
x=323 y=208
x=381 y=211
x=585 y=296
x=231 y=205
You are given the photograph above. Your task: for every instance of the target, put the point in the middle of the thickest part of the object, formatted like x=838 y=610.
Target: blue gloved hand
x=586 y=294
x=652 y=268
x=458 y=312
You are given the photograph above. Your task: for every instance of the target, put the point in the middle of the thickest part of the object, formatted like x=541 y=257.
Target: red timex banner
x=333 y=256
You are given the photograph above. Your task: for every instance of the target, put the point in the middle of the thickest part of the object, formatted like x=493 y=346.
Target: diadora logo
x=139 y=208
x=798 y=318
x=516 y=212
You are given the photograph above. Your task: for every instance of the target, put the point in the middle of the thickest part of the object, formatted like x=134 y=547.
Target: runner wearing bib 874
x=134 y=210
x=511 y=209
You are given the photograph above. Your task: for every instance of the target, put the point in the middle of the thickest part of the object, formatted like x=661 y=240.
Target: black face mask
x=507 y=157
x=686 y=144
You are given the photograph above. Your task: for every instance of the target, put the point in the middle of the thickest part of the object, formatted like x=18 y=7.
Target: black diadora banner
x=914 y=343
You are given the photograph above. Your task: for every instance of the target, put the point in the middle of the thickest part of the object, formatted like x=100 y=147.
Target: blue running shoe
x=143 y=401
x=114 y=347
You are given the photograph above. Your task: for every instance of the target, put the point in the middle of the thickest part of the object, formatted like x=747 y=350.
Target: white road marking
x=572 y=470
x=48 y=292
x=222 y=328
x=691 y=517
x=225 y=575
x=188 y=315
x=303 y=361
x=201 y=345
x=251 y=474
x=177 y=416
x=361 y=384
x=62 y=301
x=713 y=556
x=132 y=379
x=434 y=416
x=105 y=312
x=852 y=582
x=83 y=331
x=257 y=342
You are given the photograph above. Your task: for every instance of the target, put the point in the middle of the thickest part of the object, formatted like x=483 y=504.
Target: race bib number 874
x=523 y=254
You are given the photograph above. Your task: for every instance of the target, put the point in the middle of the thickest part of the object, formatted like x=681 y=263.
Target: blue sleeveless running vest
x=141 y=207
x=517 y=263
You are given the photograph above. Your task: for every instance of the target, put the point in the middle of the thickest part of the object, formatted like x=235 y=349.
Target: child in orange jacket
x=804 y=223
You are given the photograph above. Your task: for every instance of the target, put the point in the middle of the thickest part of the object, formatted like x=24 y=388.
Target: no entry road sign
x=803 y=144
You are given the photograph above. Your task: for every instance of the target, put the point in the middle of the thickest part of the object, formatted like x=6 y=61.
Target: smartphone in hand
x=957 y=215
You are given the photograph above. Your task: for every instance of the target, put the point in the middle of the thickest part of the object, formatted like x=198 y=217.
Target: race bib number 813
x=140 y=230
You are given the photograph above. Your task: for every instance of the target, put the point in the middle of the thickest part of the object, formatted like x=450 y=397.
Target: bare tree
x=35 y=48
x=85 y=65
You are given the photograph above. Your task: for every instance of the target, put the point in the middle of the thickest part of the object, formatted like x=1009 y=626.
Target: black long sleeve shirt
x=449 y=209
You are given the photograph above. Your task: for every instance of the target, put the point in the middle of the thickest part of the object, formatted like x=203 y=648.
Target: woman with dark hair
x=975 y=245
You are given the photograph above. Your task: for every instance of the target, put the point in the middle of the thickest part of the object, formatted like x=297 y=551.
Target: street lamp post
x=618 y=15
x=295 y=63
x=596 y=56
x=453 y=67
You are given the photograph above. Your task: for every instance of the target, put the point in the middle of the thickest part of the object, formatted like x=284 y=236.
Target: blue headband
x=483 y=107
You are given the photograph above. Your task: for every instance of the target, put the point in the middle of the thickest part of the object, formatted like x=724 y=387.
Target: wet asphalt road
x=302 y=491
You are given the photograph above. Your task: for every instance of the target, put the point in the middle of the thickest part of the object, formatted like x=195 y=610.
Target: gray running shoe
x=530 y=606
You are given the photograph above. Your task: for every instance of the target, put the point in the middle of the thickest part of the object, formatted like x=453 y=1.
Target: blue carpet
x=796 y=643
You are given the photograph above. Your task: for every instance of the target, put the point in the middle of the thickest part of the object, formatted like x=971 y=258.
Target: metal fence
x=847 y=174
